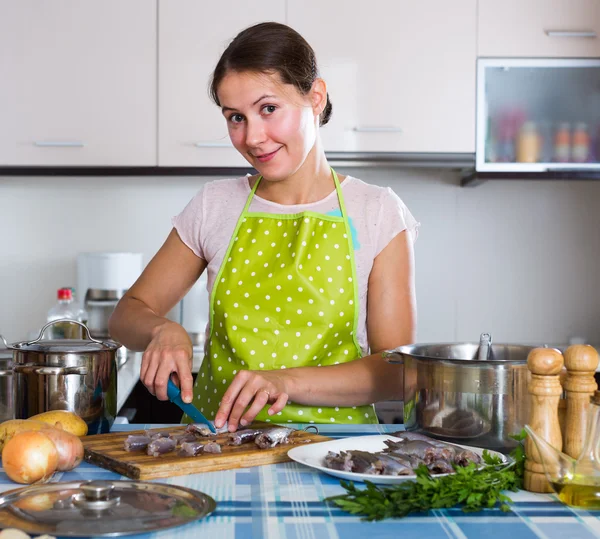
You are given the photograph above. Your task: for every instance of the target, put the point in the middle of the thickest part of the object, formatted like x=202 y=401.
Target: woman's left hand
x=255 y=389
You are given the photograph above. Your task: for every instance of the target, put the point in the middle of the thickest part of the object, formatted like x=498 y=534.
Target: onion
x=69 y=447
x=30 y=457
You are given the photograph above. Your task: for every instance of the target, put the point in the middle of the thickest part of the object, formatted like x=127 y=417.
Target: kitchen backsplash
x=518 y=259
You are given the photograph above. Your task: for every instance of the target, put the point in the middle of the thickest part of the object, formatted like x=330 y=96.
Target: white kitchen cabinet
x=539 y=28
x=401 y=74
x=78 y=83
x=192 y=37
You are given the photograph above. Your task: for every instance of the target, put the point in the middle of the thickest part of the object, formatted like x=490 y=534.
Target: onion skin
x=30 y=457
x=69 y=447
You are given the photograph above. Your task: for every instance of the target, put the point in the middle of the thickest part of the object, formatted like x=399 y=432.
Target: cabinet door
x=192 y=37
x=539 y=28
x=78 y=83
x=401 y=74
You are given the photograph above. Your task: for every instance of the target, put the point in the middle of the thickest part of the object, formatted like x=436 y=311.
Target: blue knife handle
x=173 y=392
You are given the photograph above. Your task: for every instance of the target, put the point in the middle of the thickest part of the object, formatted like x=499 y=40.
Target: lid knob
x=97 y=490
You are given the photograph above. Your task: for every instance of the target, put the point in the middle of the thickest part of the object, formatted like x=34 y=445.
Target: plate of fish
x=387 y=459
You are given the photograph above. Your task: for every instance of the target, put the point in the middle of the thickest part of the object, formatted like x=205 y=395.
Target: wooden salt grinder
x=545 y=365
x=581 y=361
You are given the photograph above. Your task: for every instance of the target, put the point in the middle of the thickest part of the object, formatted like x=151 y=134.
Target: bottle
x=562 y=143
x=64 y=308
x=581 y=143
x=82 y=314
x=576 y=482
x=528 y=144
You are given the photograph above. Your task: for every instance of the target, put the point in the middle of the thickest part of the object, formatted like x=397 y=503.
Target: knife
x=174 y=394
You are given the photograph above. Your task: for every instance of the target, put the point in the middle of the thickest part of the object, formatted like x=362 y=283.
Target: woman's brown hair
x=271 y=47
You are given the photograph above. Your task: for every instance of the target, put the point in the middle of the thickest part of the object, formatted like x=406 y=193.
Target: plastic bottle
x=580 y=150
x=528 y=144
x=64 y=308
x=82 y=314
x=562 y=143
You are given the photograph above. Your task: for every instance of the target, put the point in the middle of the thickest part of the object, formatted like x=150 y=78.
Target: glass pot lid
x=101 y=508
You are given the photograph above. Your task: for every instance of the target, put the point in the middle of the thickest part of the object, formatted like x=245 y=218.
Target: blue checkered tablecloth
x=284 y=501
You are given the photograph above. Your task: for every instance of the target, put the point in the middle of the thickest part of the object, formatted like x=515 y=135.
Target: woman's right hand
x=169 y=353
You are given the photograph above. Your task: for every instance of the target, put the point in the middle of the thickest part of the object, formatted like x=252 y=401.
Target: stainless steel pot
x=7 y=409
x=469 y=393
x=79 y=375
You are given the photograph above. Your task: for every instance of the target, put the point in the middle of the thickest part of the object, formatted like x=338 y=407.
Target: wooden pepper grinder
x=545 y=365
x=581 y=361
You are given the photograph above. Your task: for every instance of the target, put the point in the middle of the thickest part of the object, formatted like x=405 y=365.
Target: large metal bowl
x=465 y=392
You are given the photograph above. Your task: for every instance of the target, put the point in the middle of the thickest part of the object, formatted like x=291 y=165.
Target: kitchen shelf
x=474 y=178
x=353 y=159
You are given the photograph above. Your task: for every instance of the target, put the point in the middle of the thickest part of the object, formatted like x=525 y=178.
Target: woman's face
x=272 y=124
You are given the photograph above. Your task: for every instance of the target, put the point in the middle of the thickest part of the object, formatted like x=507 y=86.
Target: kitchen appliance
x=469 y=393
x=102 y=280
x=101 y=508
x=6 y=382
x=193 y=312
x=78 y=375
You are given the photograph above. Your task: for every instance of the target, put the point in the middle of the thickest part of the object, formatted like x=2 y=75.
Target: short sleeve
x=189 y=223
x=394 y=217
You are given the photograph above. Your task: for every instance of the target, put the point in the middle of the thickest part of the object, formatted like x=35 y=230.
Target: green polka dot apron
x=285 y=296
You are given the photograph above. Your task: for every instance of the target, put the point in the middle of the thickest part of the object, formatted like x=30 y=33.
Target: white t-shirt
x=376 y=215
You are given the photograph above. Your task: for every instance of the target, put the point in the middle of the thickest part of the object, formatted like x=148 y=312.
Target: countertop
x=284 y=501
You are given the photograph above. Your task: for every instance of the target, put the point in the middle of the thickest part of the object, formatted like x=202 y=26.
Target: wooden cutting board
x=107 y=451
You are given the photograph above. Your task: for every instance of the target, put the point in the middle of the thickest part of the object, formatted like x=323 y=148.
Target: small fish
x=136 y=443
x=365 y=462
x=212 y=447
x=393 y=466
x=160 y=446
x=185 y=437
x=440 y=466
x=338 y=461
x=415 y=436
x=272 y=437
x=154 y=435
x=423 y=450
x=243 y=436
x=193 y=449
x=202 y=430
x=464 y=457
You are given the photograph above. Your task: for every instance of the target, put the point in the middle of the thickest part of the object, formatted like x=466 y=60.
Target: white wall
x=515 y=258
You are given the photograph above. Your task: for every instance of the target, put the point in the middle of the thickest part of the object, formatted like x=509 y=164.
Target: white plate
x=313 y=455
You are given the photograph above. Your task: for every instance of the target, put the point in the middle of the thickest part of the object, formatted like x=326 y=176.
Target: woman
x=307 y=270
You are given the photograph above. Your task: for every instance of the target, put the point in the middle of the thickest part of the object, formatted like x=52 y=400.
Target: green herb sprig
x=472 y=487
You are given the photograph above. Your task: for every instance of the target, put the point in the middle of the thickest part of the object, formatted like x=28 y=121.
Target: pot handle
x=3 y=340
x=52 y=371
x=393 y=356
x=87 y=331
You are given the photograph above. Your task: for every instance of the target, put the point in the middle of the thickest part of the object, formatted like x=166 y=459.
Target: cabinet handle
x=58 y=144
x=375 y=129
x=213 y=145
x=568 y=33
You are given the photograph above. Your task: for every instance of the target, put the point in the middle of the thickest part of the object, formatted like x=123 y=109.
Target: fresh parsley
x=474 y=488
